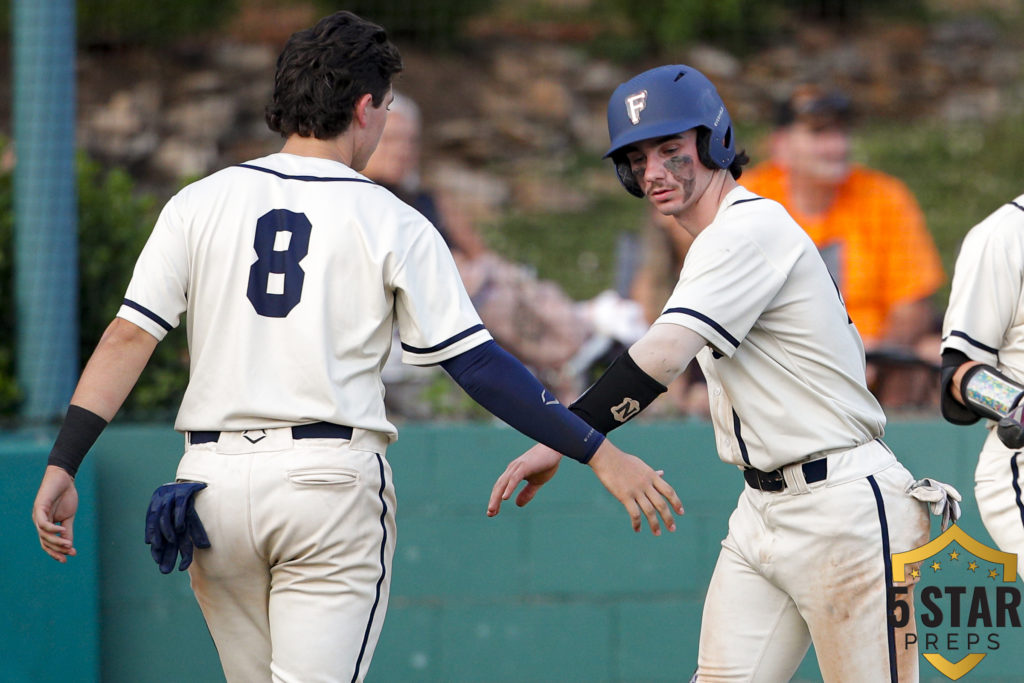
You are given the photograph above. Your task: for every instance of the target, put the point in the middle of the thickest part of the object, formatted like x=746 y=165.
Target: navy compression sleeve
x=496 y=380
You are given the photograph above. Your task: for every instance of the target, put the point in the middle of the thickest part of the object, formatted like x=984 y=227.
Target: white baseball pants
x=295 y=585
x=813 y=562
x=998 y=483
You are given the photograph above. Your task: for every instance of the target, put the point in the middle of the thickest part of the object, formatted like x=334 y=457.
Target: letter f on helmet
x=635 y=104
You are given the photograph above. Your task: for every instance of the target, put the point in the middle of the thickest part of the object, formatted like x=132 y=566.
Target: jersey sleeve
x=155 y=298
x=436 y=319
x=985 y=293
x=725 y=285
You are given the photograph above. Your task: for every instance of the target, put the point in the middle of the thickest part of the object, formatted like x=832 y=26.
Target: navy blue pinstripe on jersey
x=703 y=318
x=973 y=342
x=306 y=178
x=148 y=313
x=1015 y=471
x=1018 y=206
x=383 y=567
x=890 y=597
x=445 y=344
x=739 y=438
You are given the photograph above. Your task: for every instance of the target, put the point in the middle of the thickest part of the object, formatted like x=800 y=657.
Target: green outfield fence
x=560 y=591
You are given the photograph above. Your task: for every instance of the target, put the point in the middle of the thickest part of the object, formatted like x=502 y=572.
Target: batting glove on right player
x=173 y=527
x=1010 y=431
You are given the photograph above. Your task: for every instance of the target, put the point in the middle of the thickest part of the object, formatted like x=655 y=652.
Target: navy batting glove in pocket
x=173 y=527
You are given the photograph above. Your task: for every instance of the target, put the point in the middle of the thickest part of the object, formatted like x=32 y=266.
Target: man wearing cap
x=867 y=225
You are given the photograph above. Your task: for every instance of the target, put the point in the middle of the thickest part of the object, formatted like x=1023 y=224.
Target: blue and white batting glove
x=173 y=527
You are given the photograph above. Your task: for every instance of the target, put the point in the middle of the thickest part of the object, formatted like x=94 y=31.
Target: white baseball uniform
x=985 y=321
x=785 y=371
x=292 y=272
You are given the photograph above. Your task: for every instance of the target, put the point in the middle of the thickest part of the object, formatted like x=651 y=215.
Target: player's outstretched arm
x=640 y=489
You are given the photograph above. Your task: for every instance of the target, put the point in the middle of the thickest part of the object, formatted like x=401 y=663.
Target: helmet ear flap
x=626 y=177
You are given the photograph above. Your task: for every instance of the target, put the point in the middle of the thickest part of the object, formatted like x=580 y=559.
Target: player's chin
x=665 y=201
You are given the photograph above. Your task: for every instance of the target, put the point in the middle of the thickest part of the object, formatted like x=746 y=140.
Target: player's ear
x=362 y=105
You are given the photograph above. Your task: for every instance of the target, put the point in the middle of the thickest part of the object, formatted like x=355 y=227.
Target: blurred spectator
x=535 y=320
x=664 y=246
x=871 y=234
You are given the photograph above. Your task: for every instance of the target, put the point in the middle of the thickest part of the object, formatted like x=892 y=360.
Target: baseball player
x=983 y=365
x=291 y=271
x=807 y=556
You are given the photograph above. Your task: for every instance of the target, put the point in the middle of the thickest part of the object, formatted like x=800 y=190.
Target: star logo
x=1002 y=570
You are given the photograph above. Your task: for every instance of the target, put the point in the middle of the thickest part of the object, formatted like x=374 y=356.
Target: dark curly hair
x=324 y=70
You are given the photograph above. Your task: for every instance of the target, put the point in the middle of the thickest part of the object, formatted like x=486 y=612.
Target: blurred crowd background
x=887 y=128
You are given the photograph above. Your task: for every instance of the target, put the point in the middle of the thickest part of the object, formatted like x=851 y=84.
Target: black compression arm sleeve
x=618 y=395
x=79 y=432
x=500 y=383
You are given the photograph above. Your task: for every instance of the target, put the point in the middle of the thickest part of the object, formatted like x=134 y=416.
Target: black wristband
x=79 y=432
x=952 y=410
x=618 y=395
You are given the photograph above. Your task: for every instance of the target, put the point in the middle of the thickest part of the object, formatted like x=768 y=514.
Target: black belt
x=816 y=470
x=314 y=430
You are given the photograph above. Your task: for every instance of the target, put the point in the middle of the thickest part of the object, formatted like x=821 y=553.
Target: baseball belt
x=774 y=481
x=313 y=430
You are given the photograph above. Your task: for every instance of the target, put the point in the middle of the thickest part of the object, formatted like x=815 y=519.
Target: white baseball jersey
x=985 y=317
x=785 y=367
x=985 y=321
x=292 y=272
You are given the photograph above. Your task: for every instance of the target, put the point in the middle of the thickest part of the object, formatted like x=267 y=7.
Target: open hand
x=536 y=466
x=640 y=489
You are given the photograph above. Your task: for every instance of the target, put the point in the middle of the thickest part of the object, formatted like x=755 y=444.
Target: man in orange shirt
x=866 y=224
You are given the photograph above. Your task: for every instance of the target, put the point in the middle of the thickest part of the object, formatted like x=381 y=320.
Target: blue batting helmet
x=665 y=101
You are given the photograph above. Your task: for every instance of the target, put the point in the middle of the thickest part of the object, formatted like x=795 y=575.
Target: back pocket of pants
x=323 y=477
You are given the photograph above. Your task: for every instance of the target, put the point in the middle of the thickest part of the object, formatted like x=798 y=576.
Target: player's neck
x=703 y=212
x=334 y=149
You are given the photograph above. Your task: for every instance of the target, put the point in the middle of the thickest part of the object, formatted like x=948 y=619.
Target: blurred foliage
x=129 y=22
x=114 y=221
x=10 y=394
x=738 y=25
x=438 y=23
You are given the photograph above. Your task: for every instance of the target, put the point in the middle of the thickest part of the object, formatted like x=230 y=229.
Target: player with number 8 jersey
x=307 y=279
x=291 y=272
